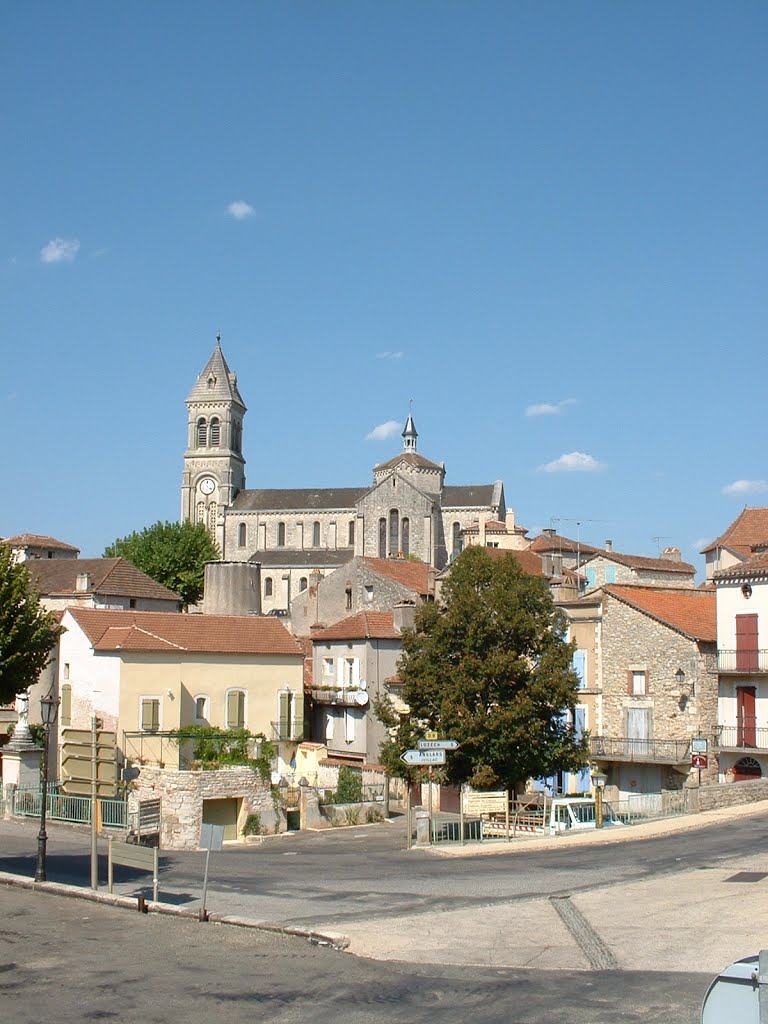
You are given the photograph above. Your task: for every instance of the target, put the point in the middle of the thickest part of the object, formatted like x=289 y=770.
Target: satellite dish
x=363 y=684
x=361 y=698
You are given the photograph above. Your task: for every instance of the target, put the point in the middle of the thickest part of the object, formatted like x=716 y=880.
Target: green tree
x=28 y=633
x=490 y=668
x=173 y=554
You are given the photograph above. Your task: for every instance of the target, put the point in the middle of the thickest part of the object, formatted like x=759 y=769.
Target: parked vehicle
x=562 y=814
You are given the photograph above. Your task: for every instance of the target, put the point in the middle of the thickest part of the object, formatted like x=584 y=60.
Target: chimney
x=672 y=555
x=509 y=519
x=549 y=532
x=403 y=615
x=83 y=582
x=609 y=545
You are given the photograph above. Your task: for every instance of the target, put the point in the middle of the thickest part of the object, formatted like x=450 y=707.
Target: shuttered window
x=66 y=704
x=579 y=665
x=235 y=709
x=150 y=714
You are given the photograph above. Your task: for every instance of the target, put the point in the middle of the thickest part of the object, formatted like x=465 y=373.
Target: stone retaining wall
x=727 y=794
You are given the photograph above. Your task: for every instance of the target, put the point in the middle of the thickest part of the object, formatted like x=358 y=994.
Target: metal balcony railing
x=286 y=731
x=742 y=661
x=622 y=748
x=337 y=695
x=745 y=735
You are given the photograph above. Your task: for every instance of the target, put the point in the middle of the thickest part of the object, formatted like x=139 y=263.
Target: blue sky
x=544 y=223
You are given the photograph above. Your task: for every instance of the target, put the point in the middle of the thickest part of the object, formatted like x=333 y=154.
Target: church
x=408 y=511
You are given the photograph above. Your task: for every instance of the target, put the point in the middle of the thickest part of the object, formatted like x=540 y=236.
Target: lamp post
x=48 y=708
x=599 y=779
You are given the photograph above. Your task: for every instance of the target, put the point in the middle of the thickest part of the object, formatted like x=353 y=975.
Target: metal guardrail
x=66 y=808
x=622 y=748
x=744 y=736
x=328 y=695
x=742 y=661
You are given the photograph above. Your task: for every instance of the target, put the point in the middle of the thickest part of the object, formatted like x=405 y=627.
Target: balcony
x=339 y=696
x=746 y=735
x=746 y=662
x=621 y=748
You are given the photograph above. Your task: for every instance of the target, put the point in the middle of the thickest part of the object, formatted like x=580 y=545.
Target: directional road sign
x=438 y=744
x=423 y=757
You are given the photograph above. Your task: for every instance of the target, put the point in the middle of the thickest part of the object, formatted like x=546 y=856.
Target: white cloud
x=384 y=431
x=701 y=543
x=573 y=462
x=240 y=210
x=389 y=355
x=549 y=408
x=746 y=487
x=60 y=250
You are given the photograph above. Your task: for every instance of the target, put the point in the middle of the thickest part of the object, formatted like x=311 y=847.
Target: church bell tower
x=214 y=467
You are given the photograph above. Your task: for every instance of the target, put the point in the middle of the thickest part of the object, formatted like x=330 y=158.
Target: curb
x=332 y=939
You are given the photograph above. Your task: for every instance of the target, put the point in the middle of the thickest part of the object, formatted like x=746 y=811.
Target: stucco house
x=146 y=674
x=746 y=536
x=28 y=546
x=657 y=680
x=742 y=656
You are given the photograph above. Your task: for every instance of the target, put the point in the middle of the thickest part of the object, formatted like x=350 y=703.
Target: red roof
x=362 y=626
x=553 y=542
x=747 y=531
x=642 y=562
x=411 y=574
x=109 y=577
x=688 y=611
x=751 y=567
x=36 y=540
x=173 y=631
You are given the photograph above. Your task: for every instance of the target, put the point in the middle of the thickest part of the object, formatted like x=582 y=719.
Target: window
x=610 y=574
x=394 y=531
x=281 y=535
x=382 y=538
x=201 y=709
x=241 y=535
x=348 y=667
x=349 y=726
x=351 y=533
x=315 y=535
x=456 y=542
x=328 y=668
x=637 y=682
x=235 y=709
x=213 y=513
x=214 y=433
x=579 y=666
x=202 y=433
x=290 y=715
x=237 y=434
x=368 y=593
x=348 y=597
x=747 y=645
x=149 y=709
x=267 y=586
x=405 y=536
x=131 y=602
x=591 y=575
x=200 y=516
x=66 y=702
x=66 y=670
x=303 y=583
x=330 y=722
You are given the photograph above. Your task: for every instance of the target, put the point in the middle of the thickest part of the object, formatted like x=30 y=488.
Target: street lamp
x=599 y=780
x=48 y=707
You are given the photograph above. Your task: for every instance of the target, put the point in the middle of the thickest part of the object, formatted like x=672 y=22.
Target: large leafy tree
x=28 y=633
x=173 y=554
x=490 y=668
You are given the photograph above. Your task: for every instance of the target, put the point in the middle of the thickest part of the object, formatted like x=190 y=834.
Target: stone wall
x=182 y=795
x=727 y=794
x=630 y=641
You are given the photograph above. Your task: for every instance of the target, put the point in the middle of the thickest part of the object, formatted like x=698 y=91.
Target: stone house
x=658 y=687
x=28 y=546
x=362 y=585
x=353 y=661
x=608 y=567
x=490 y=533
x=146 y=674
x=558 y=553
x=407 y=510
x=742 y=621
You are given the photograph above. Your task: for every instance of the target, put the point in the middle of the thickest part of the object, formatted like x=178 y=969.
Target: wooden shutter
x=235 y=709
x=66 y=704
x=746 y=643
x=298 y=716
x=150 y=715
x=580 y=667
x=285 y=715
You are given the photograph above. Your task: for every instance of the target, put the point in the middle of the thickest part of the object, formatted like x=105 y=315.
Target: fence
x=75 y=810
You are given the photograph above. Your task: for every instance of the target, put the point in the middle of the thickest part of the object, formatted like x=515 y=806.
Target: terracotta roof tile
x=554 y=542
x=169 y=631
x=748 y=530
x=362 y=626
x=642 y=562
x=110 y=577
x=414 y=575
x=36 y=540
x=688 y=611
x=756 y=566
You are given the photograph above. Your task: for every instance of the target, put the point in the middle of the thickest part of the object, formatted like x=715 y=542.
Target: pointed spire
x=410 y=434
x=216 y=382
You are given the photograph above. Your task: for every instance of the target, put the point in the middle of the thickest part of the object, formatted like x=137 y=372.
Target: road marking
x=592 y=946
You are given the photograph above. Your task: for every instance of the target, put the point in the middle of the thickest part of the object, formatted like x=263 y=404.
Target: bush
x=350 y=787
x=372 y=815
x=252 y=826
x=351 y=815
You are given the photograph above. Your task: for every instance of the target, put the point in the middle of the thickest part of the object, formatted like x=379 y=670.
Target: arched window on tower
x=241 y=535
x=382 y=538
x=202 y=433
x=281 y=535
x=200 y=516
x=394 y=532
x=213 y=512
x=215 y=432
x=456 y=544
x=405 y=536
x=315 y=535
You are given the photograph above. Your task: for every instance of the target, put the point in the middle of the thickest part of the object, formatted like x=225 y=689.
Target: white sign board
x=495 y=802
x=423 y=757
x=438 y=744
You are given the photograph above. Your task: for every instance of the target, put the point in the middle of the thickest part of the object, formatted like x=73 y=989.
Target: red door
x=745 y=716
x=746 y=643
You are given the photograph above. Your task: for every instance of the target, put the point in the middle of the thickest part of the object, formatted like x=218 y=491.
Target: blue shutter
x=591 y=574
x=579 y=666
x=610 y=574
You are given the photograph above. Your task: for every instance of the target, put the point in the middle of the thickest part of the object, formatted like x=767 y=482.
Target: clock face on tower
x=207 y=486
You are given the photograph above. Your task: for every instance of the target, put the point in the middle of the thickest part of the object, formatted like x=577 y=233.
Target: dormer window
x=211 y=382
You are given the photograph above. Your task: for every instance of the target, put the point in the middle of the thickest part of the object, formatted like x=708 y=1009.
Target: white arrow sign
x=438 y=744
x=423 y=757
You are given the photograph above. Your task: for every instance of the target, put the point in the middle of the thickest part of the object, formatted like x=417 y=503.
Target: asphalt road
x=70 y=961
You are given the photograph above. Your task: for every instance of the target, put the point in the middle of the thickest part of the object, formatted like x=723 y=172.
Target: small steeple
x=410 y=434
